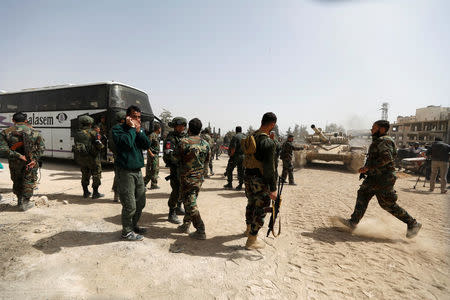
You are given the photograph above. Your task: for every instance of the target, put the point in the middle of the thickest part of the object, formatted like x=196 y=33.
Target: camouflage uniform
x=152 y=167
x=236 y=160
x=24 y=180
x=121 y=115
x=171 y=143
x=286 y=155
x=193 y=153
x=257 y=185
x=380 y=182
x=205 y=136
x=87 y=149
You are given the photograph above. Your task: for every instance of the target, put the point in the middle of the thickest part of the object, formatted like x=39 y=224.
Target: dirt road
x=73 y=250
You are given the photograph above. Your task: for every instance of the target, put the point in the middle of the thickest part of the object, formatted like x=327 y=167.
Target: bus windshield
x=123 y=97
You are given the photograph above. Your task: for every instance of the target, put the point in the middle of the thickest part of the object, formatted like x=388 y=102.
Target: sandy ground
x=73 y=250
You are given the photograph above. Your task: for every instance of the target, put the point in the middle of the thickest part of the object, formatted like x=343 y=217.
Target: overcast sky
x=228 y=62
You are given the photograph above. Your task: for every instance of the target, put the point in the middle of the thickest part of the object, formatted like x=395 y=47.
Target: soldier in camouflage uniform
x=380 y=179
x=286 y=155
x=236 y=159
x=120 y=119
x=152 y=167
x=193 y=153
x=260 y=179
x=23 y=146
x=87 y=149
x=274 y=138
x=171 y=143
x=205 y=135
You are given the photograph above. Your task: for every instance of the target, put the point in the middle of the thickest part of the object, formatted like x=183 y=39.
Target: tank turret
x=322 y=137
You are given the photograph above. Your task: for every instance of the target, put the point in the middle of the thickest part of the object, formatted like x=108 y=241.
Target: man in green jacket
x=130 y=140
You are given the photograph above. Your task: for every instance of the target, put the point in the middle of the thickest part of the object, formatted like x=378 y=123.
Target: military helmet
x=86 y=120
x=177 y=121
x=120 y=115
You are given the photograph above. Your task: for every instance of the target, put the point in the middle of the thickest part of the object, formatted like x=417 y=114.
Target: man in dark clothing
x=439 y=153
x=130 y=140
x=236 y=159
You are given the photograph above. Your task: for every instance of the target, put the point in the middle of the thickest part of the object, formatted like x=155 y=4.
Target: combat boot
x=253 y=243
x=247 y=231
x=228 y=186
x=179 y=210
x=154 y=186
x=239 y=187
x=116 y=197
x=173 y=218
x=413 y=229
x=86 y=192
x=26 y=204
x=348 y=223
x=19 y=201
x=211 y=171
x=96 y=194
x=198 y=235
x=184 y=228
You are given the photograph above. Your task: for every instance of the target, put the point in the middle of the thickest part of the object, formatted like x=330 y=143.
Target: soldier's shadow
x=232 y=195
x=69 y=239
x=65 y=176
x=75 y=199
x=335 y=234
x=152 y=195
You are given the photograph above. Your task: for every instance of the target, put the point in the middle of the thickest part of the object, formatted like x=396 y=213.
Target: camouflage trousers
x=210 y=165
x=152 y=170
x=189 y=194
x=288 y=169
x=381 y=186
x=132 y=198
x=24 y=181
x=257 y=193
x=234 y=162
x=90 y=168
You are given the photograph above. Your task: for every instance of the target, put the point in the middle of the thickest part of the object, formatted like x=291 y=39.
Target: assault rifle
x=24 y=147
x=275 y=209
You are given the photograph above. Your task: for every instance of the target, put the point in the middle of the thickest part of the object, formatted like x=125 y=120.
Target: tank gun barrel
x=322 y=137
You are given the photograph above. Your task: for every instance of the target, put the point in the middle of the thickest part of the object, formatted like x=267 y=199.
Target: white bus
x=55 y=110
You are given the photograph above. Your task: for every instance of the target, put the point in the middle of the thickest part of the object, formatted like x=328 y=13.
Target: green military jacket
x=171 y=143
x=236 y=144
x=287 y=150
x=32 y=142
x=87 y=144
x=154 y=143
x=266 y=153
x=129 y=146
x=193 y=154
x=381 y=156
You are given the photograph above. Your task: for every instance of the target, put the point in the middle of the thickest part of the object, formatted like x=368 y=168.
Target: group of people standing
x=188 y=155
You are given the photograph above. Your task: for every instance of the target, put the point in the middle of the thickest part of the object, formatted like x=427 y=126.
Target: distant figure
x=274 y=138
x=130 y=140
x=205 y=134
x=439 y=162
x=236 y=159
x=380 y=180
x=152 y=167
x=87 y=149
x=23 y=146
x=286 y=155
x=193 y=154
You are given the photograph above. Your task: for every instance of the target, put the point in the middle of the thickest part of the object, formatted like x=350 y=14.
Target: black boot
x=179 y=210
x=228 y=186
x=96 y=194
x=173 y=218
x=86 y=192
x=199 y=234
x=239 y=187
x=211 y=171
x=19 y=201
x=26 y=204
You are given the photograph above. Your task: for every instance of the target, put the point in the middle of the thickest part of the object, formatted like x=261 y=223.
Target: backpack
x=248 y=146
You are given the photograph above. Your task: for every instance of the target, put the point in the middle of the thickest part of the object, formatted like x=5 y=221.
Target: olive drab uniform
x=260 y=179
x=171 y=143
x=120 y=115
x=236 y=160
x=152 y=167
x=15 y=141
x=380 y=182
x=87 y=149
x=286 y=155
x=206 y=137
x=193 y=154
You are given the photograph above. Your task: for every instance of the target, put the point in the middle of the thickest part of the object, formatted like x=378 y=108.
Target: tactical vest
x=82 y=146
x=249 y=146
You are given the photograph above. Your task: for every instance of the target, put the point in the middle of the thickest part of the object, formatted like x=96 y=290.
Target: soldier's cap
x=121 y=115
x=20 y=117
x=177 y=121
x=290 y=135
x=85 y=120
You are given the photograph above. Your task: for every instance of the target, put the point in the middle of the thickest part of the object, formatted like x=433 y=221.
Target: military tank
x=330 y=147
